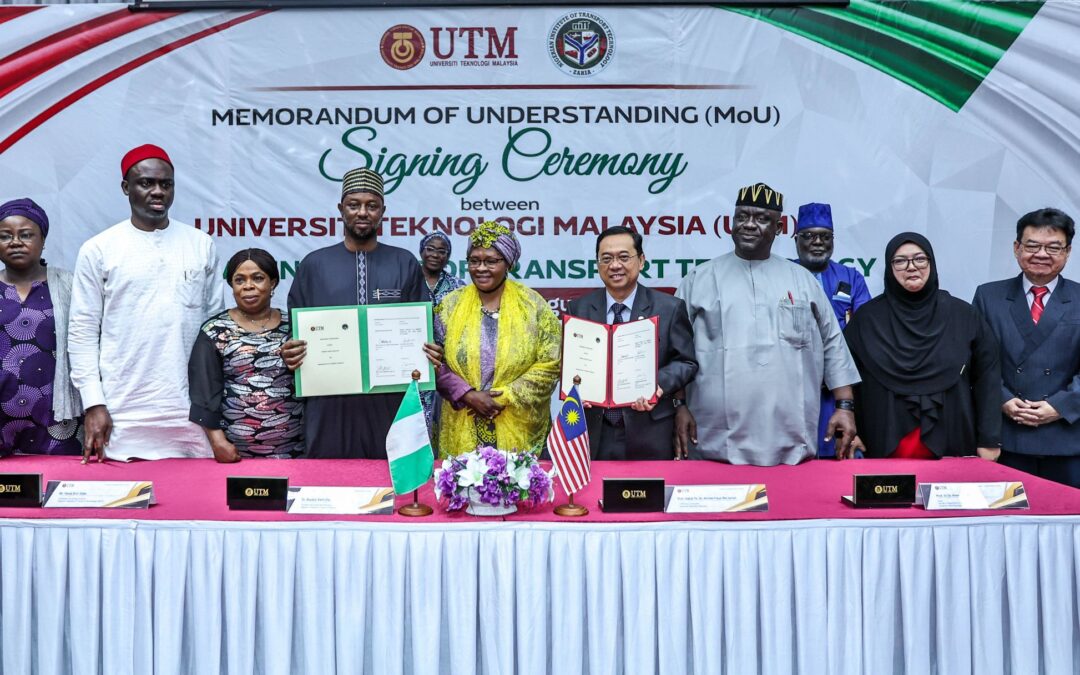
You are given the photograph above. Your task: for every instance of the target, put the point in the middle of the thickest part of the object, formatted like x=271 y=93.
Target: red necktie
x=1037 y=304
x=615 y=415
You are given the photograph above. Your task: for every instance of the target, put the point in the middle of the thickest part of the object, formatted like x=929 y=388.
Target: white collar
x=628 y=302
x=1049 y=287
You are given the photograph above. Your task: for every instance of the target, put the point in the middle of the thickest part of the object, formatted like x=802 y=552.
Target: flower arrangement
x=494 y=478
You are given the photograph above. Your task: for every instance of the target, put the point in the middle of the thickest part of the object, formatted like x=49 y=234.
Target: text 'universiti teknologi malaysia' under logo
x=403 y=46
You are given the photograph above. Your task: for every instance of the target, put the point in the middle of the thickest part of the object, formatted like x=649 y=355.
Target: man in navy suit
x=1036 y=318
x=645 y=430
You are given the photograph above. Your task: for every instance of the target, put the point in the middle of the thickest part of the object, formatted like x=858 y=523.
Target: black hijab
x=911 y=342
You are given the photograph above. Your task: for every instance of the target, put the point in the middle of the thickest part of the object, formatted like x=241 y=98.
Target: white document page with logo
x=332 y=364
x=585 y=354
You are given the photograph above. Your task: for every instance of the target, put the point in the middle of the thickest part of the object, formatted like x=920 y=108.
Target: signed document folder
x=363 y=349
x=616 y=363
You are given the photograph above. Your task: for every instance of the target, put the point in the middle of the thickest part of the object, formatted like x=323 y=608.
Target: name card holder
x=256 y=493
x=633 y=495
x=882 y=491
x=20 y=490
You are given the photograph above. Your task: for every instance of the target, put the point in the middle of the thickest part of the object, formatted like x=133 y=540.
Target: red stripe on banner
x=485 y=87
x=24 y=65
x=9 y=13
x=108 y=77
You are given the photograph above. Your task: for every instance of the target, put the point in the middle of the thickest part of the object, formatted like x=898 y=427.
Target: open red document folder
x=616 y=363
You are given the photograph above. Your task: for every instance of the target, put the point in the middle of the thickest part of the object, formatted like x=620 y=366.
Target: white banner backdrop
x=561 y=121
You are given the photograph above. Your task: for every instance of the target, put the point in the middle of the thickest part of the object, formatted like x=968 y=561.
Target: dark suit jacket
x=1038 y=362
x=648 y=434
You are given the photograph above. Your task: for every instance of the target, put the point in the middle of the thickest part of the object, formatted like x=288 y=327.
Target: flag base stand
x=571 y=510
x=416 y=509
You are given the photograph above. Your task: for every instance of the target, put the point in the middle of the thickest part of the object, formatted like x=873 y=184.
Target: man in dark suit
x=645 y=430
x=1036 y=318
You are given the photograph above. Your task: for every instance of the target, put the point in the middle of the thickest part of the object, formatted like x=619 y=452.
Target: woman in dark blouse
x=241 y=391
x=40 y=411
x=931 y=378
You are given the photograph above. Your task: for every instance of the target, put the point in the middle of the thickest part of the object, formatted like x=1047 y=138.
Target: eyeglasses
x=825 y=237
x=431 y=250
x=608 y=260
x=24 y=237
x=920 y=262
x=1051 y=249
x=490 y=263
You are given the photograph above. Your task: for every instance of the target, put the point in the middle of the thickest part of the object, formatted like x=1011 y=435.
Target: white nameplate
x=354 y=501
x=99 y=494
x=972 y=496
x=717 y=498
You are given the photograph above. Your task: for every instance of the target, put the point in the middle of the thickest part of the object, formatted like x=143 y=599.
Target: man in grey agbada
x=765 y=337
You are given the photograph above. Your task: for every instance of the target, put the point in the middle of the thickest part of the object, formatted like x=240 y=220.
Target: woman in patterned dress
x=40 y=410
x=434 y=254
x=502 y=345
x=241 y=391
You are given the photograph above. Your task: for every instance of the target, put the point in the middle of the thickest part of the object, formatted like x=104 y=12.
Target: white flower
x=521 y=476
x=473 y=473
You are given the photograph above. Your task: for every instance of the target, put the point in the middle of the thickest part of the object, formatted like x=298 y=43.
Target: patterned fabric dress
x=430 y=399
x=240 y=384
x=27 y=366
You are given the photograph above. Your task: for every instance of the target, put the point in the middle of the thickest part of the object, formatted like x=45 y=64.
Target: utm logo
x=402 y=46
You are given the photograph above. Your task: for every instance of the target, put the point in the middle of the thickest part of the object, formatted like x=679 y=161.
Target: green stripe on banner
x=942 y=48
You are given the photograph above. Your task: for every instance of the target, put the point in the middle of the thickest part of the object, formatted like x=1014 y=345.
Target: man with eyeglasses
x=765 y=339
x=141 y=291
x=645 y=430
x=1036 y=318
x=844 y=286
x=358 y=271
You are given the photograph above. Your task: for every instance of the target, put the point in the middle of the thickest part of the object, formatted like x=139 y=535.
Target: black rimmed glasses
x=489 y=263
x=607 y=260
x=920 y=262
x=824 y=237
x=1051 y=249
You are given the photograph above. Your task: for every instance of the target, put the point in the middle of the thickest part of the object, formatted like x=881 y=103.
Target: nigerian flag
x=407 y=445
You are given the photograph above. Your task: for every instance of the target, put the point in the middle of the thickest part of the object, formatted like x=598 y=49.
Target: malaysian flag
x=568 y=444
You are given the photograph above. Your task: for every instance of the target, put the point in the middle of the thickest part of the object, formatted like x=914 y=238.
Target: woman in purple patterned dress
x=241 y=392
x=40 y=411
x=435 y=251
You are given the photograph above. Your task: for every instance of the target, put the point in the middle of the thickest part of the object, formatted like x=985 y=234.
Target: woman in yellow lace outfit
x=502 y=345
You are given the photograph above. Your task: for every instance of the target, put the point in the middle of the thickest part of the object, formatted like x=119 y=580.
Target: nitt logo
x=402 y=46
x=581 y=44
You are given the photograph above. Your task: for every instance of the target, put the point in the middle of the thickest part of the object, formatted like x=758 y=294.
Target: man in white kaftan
x=141 y=291
x=766 y=338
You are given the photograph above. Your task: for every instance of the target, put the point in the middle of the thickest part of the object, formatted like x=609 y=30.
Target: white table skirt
x=951 y=596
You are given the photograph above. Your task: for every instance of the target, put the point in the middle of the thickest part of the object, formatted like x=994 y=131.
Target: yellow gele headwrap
x=527 y=354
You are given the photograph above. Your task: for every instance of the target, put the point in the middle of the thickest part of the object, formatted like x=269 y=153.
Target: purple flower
x=457 y=502
x=490 y=491
x=539 y=485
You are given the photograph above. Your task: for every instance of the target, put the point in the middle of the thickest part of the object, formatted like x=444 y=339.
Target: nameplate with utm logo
x=633 y=495
x=882 y=491
x=257 y=493
x=20 y=489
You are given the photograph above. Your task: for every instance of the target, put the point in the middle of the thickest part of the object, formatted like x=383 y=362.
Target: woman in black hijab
x=931 y=375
